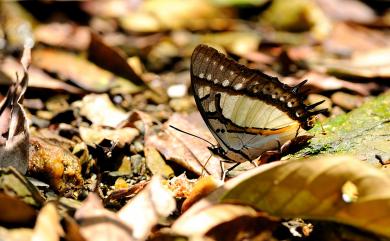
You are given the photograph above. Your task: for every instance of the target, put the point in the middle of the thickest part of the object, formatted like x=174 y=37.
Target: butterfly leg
x=226 y=172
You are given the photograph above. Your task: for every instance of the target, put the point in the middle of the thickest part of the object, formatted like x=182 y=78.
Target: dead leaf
x=13 y=183
x=202 y=187
x=14 y=211
x=100 y=224
x=148 y=17
x=96 y=135
x=312 y=188
x=111 y=59
x=225 y=222
x=347 y=101
x=188 y=151
x=156 y=163
x=99 y=109
x=48 y=217
x=92 y=78
x=13 y=122
x=347 y=10
x=321 y=82
x=16 y=234
x=37 y=78
x=367 y=64
x=63 y=35
x=346 y=38
x=144 y=211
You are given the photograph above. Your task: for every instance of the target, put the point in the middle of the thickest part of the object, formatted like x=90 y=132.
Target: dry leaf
x=48 y=226
x=199 y=14
x=95 y=135
x=202 y=187
x=186 y=150
x=78 y=70
x=368 y=64
x=144 y=211
x=13 y=122
x=14 y=211
x=37 y=78
x=314 y=188
x=14 y=183
x=320 y=82
x=225 y=222
x=16 y=234
x=156 y=163
x=347 y=10
x=111 y=59
x=100 y=224
x=63 y=35
x=99 y=109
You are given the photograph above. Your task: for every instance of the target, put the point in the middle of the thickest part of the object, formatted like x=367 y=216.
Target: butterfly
x=247 y=111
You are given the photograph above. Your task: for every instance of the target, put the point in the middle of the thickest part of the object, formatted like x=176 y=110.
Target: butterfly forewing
x=247 y=111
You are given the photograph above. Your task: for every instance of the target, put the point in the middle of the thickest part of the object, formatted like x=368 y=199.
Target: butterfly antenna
x=192 y=135
x=205 y=165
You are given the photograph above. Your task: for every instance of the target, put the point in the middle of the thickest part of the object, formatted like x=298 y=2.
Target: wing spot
x=221 y=67
x=209 y=77
x=273 y=96
x=281 y=98
x=225 y=83
x=214 y=63
x=216 y=81
x=289 y=104
x=238 y=86
x=231 y=72
x=201 y=75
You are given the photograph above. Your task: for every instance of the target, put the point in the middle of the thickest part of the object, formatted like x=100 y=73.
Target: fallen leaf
x=92 y=78
x=202 y=187
x=100 y=224
x=186 y=150
x=347 y=101
x=347 y=38
x=13 y=183
x=14 y=211
x=17 y=234
x=37 y=78
x=99 y=109
x=13 y=123
x=347 y=10
x=63 y=35
x=111 y=59
x=148 y=17
x=225 y=222
x=156 y=163
x=48 y=217
x=240 y=43
x=367 y=65
x=144 y=211
x=320 y=82
x=95 y=135
x=314 y=188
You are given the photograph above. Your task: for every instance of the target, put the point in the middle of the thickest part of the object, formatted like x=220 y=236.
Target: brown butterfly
x=247 y=111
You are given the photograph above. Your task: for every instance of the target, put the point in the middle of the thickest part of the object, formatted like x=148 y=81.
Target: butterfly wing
x=247 y=111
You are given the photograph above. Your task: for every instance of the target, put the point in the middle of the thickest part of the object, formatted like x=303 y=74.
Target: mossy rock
x=363 y=132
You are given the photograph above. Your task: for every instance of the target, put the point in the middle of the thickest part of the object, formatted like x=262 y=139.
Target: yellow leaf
x=336 y=188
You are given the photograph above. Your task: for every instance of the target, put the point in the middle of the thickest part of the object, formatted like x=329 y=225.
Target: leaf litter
x=101 y=138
